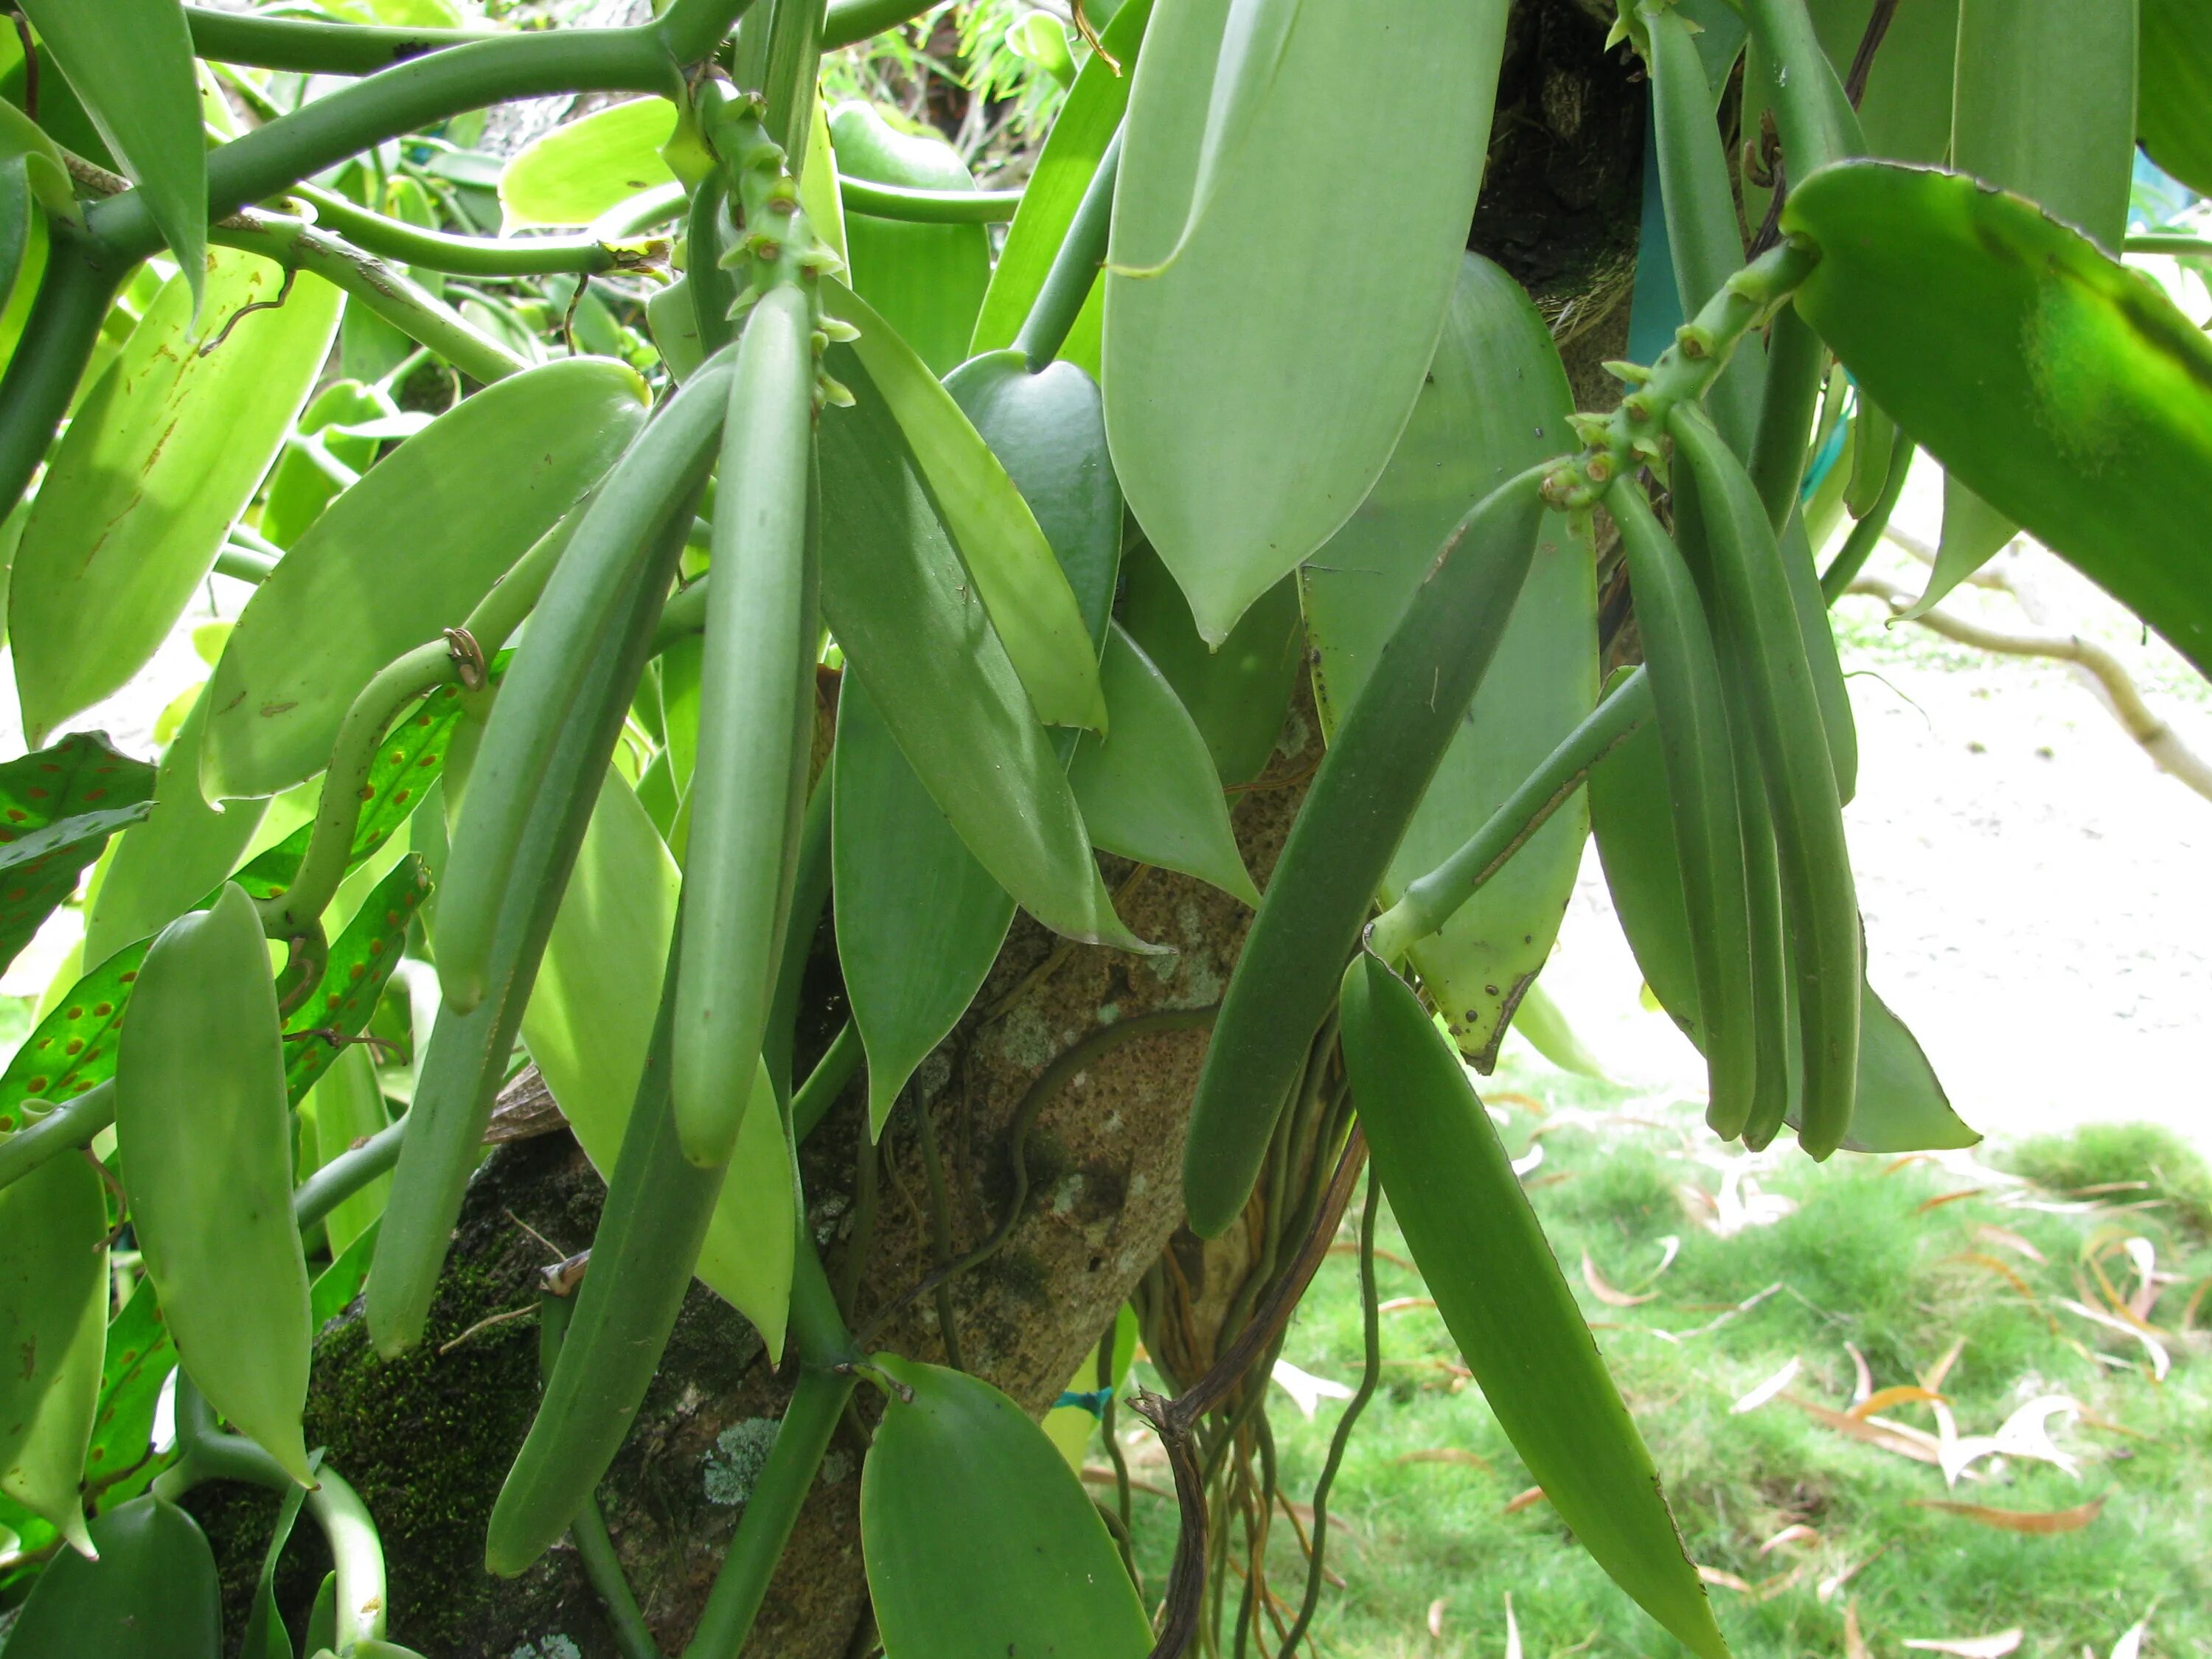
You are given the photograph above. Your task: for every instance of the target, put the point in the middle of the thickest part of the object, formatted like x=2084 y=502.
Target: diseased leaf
x=1495 y=402
x=1485 y=1258
x=130 y=63
x=1256 y=385
x=1148 y=790
x=2064 y=390
x=978 y=1537
x=161 y=456
x=57 y=808
x=361 y=961
x=916 y=633
x=73 y=1047
x=1032 y=609
x=919 y=919
x=405 y=553
x=576 y=173
x=927 y=281
x=135 y=1365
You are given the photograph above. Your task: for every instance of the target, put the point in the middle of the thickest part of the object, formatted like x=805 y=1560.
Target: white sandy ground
x=2037 y=900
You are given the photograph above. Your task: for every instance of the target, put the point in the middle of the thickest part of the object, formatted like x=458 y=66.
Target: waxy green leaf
x=2173 y=111
x=914 y=629
x=589 y=1021
x=129 y=61
x=1495 y=402
x=1032 y=609
x=360 y=962
x=73 y=1047
x=576 y=173
x=300 y=487
x=1484 y=1256
x=405 y=553
x=1148 y=789
x=53 y=1324
x=206 y=1140
x=919 y=919
x=153 y=1593
x=57 y=808
x=1080 y=132
x=1255 y=385
x=927 y=281
x=346 y=1107
x=977 y=1535
x=1900 y=1107
x=161 y=456
x=2064 y=390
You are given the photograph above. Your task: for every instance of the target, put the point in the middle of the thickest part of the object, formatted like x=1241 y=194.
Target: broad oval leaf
x=206 y=1139
x=53 y=1326
x=1080 y=132
x=978 y=1538
x=1901 y=1105
x=1485 y=1258
x=130 y=63
x=1495 y=402
x=919 y=919
x=1015 y=570
x=1148 y=789
x=2173 y=111
x=2063 y=389
x=914 y=628
x=589 y=1022
x=1256 y=385
x=300 y=487
x=927 y=281
x=407 y=551
x=1048 y=431
x=153 y=1593
x=160 y=458
x=576 y=173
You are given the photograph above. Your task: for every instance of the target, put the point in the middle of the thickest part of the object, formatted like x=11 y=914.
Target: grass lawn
x=1800 y=1521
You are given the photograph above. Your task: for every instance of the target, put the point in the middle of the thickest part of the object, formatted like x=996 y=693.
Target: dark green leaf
x=2173 y=113
x=138 y=1359
x=362 y=960
x=2064 y=390
x=927 y=281
x=978 y=1537
x=152 y=1594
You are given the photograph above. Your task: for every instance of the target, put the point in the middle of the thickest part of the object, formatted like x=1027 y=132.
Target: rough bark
x=426 y=1439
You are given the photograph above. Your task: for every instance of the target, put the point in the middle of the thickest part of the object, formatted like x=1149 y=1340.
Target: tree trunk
x=426 y=1439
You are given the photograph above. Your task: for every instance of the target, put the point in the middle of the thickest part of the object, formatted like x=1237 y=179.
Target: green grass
x=1860 y=1261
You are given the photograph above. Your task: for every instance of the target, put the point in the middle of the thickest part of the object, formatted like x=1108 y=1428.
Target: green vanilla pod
x=658 y=1206
x=756 y=725
x=1341 y=844
x=1483 y=1254
x=1701 y=798
x=206 y=1136
x=650 y=488
x=468 y=1053
x=1820 y=902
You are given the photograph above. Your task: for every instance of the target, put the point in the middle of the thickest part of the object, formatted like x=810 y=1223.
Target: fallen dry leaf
x=1522 y=1500
x=1863 y=1386
x=2130 y=1642
x=1513 y=1633
x=2160 y=1361
x=1941 y=1368
x=1606 y=1293
x=2005 y=1238
x=1904 y=1394
x=1405 y=1304
x=2003 y=1270
x=1835 y=1582
x=1855 y=1645
x=2041 y=1523
x=1799 y=1533
x=1767 y=1390
x=1446 y=1454
x=1941 y=1198
x=1437 y=1619
x=1971 y=1647
x=1726 y=1581
x=1905 y=1442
